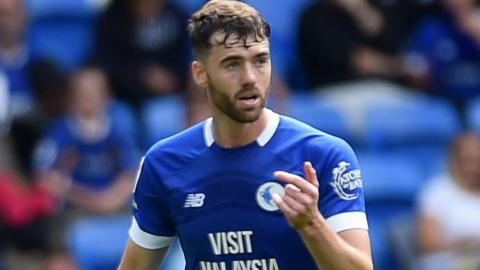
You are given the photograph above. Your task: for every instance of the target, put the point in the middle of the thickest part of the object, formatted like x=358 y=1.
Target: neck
x=466 y=182
x=11 y=41
x=229 y=133
x=11 y=52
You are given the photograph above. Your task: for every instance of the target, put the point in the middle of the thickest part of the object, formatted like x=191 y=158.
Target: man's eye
x=261 y=61
x=232 y=65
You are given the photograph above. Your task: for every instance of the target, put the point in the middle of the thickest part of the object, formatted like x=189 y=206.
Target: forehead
x=234 y=45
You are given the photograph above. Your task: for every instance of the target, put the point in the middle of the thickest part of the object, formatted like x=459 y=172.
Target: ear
x=199 y=73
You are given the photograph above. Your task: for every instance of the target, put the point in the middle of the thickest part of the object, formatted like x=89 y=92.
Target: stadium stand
x=402 y=144
x=62 y=30
x=420 y=120
x=162 y=117
x=317 y=114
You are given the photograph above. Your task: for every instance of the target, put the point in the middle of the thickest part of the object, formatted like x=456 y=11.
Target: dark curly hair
x=227 y=17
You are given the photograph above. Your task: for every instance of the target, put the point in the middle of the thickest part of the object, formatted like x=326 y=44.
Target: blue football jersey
x=218 y=201
x=90 y=162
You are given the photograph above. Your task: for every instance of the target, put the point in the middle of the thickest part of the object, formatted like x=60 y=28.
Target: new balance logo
x=194 y=200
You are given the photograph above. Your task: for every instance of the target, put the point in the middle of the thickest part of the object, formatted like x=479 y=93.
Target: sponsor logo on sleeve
x=345 y=182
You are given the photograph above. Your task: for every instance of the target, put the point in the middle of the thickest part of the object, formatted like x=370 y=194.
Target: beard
x=228 y=105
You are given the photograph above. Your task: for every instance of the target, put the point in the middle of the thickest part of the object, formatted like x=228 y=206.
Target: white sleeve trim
x=147 y=240
x=349 y=220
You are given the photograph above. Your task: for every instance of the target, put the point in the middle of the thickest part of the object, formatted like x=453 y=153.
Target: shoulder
x=300 y=142
x=59 y=129
x=432 y=28
x=173 y=152
x=439 y=185
x=292 y=131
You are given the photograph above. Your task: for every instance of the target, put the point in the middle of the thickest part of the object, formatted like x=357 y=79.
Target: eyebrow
x=230 y=58
x=237 y=57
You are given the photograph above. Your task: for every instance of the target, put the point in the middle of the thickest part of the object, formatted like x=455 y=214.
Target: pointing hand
x=299 y=204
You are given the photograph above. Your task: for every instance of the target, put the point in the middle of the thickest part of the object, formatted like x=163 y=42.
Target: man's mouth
x=249 y=100
x=249 y=97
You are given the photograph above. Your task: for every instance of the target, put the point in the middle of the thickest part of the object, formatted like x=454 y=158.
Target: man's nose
x=249 y=76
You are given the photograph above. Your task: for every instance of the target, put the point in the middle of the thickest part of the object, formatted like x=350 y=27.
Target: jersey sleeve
x=152 y=226
x=341 y=199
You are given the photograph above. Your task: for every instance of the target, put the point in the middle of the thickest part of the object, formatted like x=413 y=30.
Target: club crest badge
x=264 y=195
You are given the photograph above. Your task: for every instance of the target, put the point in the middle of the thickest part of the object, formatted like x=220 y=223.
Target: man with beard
x=247 y=188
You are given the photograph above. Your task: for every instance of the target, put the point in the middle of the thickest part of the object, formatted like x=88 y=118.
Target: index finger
x=310 y=173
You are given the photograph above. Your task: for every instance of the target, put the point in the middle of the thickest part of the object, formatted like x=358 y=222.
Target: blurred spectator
x=49 y=94
x=85 y=158
x=49 y=86
x=343 y=40
x=142 y=44
x=352 y=53
x=25 y=213
x=445 y=51
x=22 y=117
x=4 y=101
x=448 y=231
x=26 y=208
x=14 y=55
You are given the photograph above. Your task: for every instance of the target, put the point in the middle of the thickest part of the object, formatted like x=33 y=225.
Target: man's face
x=89 y=93
x=468 y=160
x=238 y=78
x=12 y=19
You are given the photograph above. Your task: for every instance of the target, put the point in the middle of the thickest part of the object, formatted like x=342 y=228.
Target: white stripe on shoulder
x=348 y=220
x=147 y=240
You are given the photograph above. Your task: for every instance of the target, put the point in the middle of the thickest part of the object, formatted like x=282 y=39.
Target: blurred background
x=86 y=86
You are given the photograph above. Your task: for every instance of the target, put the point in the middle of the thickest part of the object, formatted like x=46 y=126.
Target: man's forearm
x=330 y=250
x=138 y=258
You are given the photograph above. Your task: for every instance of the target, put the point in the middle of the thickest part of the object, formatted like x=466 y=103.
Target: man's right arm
x=139 y=258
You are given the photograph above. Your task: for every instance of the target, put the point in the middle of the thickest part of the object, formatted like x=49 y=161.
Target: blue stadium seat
x=97 y=243
x=322 y=116
x=62 y=31
x=418 y=121
x=473 y=115
x=391 y=183
x=402 y=232
x=381 y=218
x=391 y=176
x=174 y=259
x=162 y=117
x=432 y=158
